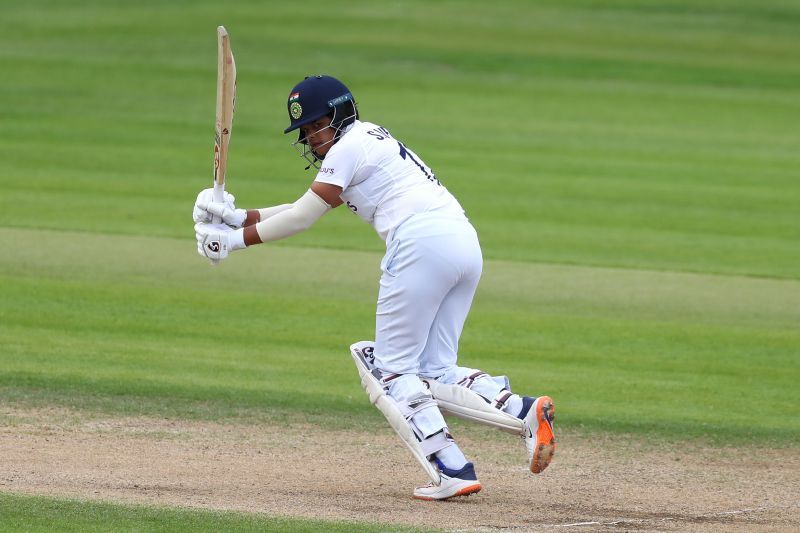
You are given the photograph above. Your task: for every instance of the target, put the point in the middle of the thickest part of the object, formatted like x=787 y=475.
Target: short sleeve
x=341 y=164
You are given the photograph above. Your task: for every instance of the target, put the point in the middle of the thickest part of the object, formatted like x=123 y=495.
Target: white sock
x=452 y=457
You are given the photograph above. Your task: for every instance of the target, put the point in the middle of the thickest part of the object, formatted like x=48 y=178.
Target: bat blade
x=226 y=102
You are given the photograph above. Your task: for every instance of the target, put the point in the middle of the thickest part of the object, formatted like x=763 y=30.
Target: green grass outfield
x=632 y=169
x=34 y=514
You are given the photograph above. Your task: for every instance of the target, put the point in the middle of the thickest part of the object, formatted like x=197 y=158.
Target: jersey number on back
x=383 y=134
x=406 y=153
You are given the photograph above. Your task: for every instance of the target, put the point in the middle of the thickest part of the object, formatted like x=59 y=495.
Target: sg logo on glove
x=213 y=240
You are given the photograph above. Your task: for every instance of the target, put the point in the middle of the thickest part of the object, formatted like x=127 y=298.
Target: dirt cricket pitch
x=593 y=483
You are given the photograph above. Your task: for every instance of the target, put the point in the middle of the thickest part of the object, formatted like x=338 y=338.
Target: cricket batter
x=429 y=275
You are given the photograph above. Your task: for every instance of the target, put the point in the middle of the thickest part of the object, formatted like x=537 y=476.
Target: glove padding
x=216 y=241
x=205 y=208
x=232 y=217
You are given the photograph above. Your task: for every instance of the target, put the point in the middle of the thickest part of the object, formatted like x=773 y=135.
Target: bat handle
x=219 y=197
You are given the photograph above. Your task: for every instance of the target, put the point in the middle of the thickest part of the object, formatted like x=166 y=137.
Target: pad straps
x=469 y=380
x=500 y=400
x=436 y=443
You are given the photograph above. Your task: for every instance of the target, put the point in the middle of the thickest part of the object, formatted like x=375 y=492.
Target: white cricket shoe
x=454 y=483
x=539 y=438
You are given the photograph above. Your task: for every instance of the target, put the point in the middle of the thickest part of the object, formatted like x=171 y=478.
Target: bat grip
x=219 y=197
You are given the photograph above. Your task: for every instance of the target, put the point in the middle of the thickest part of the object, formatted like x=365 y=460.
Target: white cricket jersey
x=382 y=181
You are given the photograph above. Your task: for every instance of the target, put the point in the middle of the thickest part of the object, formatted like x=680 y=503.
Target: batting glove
x=201 y=215
x=216 y=241
x=232 y=217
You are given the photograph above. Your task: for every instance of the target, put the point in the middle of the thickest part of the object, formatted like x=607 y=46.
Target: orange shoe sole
x=466 y=491
x=545 y=440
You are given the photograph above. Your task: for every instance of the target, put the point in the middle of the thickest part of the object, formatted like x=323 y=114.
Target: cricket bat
x=226 y=102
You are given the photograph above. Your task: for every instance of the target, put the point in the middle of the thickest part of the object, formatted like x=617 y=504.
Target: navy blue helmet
x=318 y=96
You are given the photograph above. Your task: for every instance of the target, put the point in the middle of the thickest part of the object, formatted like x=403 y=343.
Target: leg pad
x=370 y=380
x=464 y=403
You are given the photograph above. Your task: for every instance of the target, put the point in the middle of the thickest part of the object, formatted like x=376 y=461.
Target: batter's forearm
x=267 y=212
x=253 y=216
x=251 y=236
x=299 y=217
x=284 y=220
x=257 y=215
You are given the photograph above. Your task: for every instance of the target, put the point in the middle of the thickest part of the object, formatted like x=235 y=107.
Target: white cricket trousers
x=430 y=272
